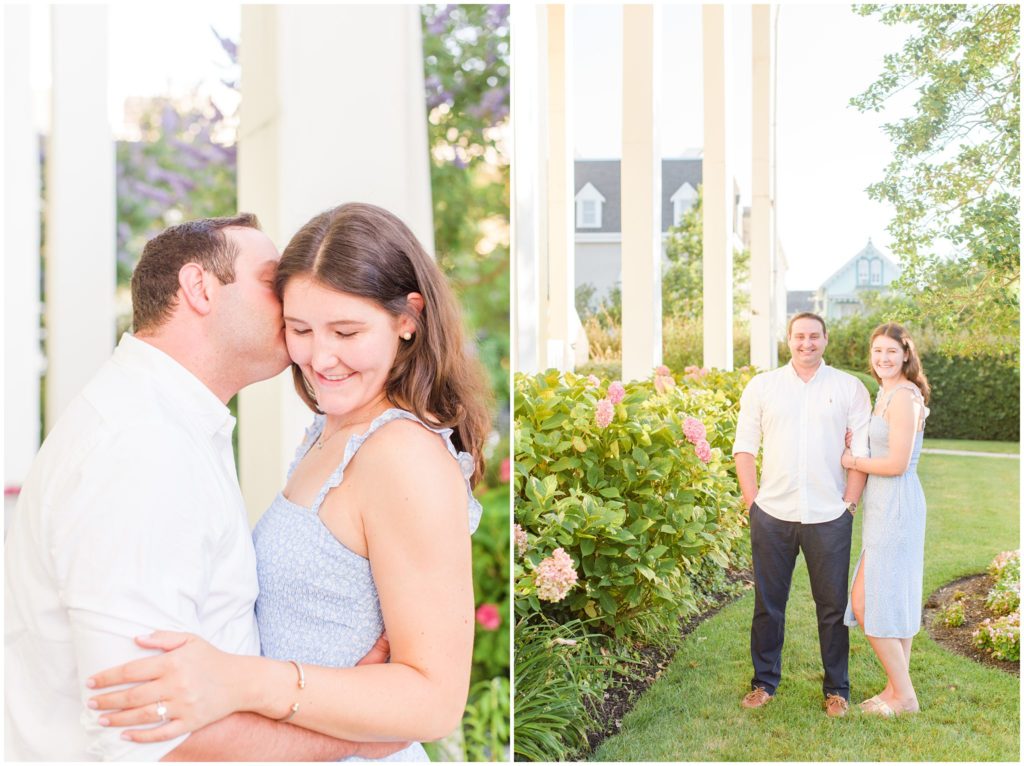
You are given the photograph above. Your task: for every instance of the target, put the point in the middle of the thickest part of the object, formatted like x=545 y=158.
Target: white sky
x=828 y=152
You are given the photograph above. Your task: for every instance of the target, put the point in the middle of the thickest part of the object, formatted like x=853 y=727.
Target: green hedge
x=973 y=398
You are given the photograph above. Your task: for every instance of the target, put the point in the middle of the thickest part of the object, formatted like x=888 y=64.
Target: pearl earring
x=406 y=336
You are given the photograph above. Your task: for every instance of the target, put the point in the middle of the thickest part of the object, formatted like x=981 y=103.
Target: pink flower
x=555 y=576
x=592 y=380
x=522 y=541
x=663 y=383
x=616 y=392
x=693 y=372
x=694 y=430
x=605 y=413
x=703 y=450
x=506 y=470
x=662 y=370
x=488 y=616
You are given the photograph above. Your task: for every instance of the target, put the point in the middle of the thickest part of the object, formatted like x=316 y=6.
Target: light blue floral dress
x=893 y=539
x=318 y=603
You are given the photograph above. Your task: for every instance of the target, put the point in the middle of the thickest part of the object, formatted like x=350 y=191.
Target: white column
x=641 y=192
x=763 y=345
x=562 y=323
x=528 y=31
x=22 y=353
x=333 y=111
x=81 y=249
x=718 y=190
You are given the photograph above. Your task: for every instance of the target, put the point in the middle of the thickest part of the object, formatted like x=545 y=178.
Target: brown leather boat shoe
x=756 y=698
x=835 y=706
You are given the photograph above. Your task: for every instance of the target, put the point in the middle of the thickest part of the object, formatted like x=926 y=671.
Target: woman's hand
x=848 y=459
x=849 y=438
x=192 y=684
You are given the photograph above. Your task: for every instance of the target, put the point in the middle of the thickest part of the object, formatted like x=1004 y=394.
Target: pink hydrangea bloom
x=616 y=392
x=694 y=430
x=555 y=576
x=693 y=372
x=663 y=380
x=605 y=413
x=506 y=470
x=522 y=541
x=592 y=380
x=703 y=450
x=488 y=616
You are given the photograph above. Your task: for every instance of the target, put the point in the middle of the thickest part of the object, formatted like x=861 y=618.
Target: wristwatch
x=852 y=507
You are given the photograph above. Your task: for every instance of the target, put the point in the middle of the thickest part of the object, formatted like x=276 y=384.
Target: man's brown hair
x=806 y=315
x=155 y=279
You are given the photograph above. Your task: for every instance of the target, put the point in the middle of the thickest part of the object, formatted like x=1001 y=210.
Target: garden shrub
x=625 y=483
x=952 y=614
x=1000 y=636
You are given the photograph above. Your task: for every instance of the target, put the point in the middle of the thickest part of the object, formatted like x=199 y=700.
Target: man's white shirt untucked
x=131 y=520
x=801 y=427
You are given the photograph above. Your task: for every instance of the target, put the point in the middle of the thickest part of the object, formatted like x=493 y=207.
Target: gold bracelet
x=302 y=685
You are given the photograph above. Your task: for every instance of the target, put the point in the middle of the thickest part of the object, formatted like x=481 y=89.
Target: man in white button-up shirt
x=131 y=519
x=799 y=415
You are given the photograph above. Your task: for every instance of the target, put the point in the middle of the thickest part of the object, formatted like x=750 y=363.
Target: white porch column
x=763 y=345
x=528 y=32
x=641 y=192
x=81 y=209
x=333 y=111
x=562 y=322
x=22 y=353
x=718 y=190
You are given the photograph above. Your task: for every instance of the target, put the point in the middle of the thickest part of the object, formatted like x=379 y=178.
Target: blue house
x=842 y=294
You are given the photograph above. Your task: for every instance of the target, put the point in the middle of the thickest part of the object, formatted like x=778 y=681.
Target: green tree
x=954 y=179
x=682 y=283
x=466 y=67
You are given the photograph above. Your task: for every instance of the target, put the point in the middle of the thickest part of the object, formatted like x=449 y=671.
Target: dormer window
x=876 y=271
x=683 y=199
x=589 y=202
x=862 y=271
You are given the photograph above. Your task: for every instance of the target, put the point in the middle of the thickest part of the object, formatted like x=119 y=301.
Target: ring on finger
x=161 y=710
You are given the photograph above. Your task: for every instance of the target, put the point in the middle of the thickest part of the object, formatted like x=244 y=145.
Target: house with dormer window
x=842 y=294
x=598 y=223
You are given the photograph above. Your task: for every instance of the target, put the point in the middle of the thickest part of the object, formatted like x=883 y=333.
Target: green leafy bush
x=490 y=586
x=632 y=503
x=485 y=724
x=1000 y=637
x=1004 y=597
x=561 y=672
x=952 y=614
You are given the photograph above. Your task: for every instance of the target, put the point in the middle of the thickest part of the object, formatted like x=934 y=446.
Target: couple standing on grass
x=801 y=414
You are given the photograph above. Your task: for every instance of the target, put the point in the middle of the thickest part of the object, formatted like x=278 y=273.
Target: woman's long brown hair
x=912 y=367
x=364 y=250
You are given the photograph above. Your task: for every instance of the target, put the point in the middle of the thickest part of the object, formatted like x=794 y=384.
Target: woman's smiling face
x=344 y=344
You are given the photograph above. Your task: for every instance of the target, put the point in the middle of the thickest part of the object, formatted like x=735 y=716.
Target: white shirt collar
x=181 y=387
x=796 y=375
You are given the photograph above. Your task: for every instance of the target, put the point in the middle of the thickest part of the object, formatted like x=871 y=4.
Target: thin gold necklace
x=322 y=441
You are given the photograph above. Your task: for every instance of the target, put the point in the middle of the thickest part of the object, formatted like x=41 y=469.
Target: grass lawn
x=1009 y=448
x=969 y=712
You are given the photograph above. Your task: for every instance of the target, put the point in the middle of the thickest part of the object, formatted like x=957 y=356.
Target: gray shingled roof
x=605 y=175
x=798 y=301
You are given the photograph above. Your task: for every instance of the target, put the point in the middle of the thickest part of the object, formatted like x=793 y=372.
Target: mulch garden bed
x=971 y=591
x=652 y=662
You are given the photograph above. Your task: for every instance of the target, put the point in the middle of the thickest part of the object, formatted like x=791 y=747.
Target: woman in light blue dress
x=371 y=533
x=885 y=599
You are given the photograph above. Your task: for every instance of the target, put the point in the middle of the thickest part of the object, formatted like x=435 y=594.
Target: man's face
x=807 y=342
x=249 y=320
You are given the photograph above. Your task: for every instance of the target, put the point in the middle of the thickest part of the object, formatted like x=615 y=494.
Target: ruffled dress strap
x=464 y=459
x=915 y=392
x=308 y=440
